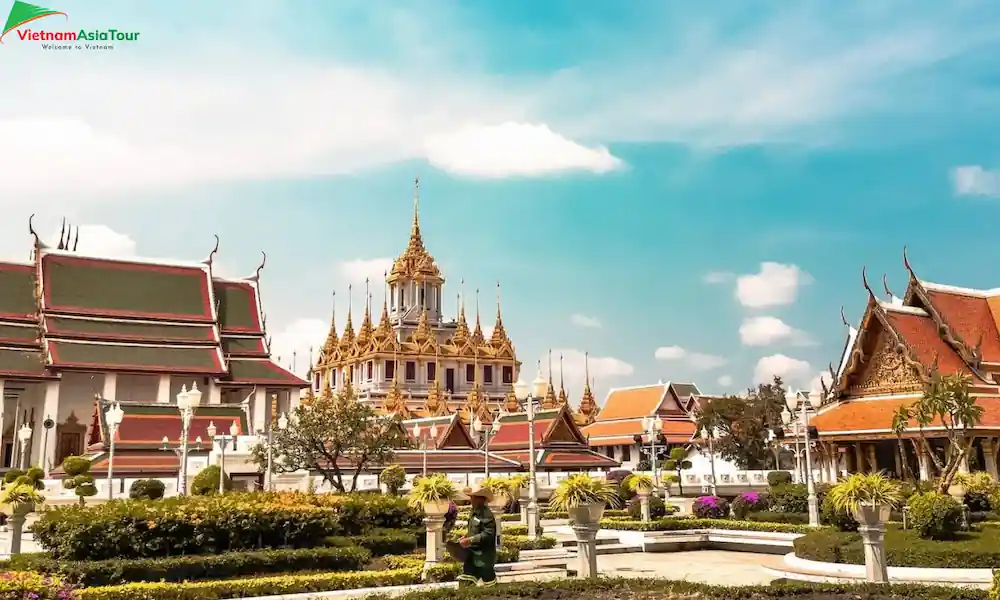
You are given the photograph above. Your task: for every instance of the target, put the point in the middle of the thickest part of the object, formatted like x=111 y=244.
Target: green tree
x=394 y=478
x=78 y=477
x=206 y=482
x=946 y=402
x=678 y=462
x=336 y=436
x=742 y=424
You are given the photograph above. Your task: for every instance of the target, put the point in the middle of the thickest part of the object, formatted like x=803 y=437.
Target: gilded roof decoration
x=415 y=263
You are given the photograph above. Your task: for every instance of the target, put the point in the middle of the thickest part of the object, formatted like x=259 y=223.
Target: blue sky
x=703 y=180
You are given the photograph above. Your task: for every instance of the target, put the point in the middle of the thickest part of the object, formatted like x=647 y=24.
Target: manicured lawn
x=972 y=550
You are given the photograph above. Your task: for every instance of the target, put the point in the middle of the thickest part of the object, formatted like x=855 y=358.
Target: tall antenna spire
x=333 y=308
x=550 y=367
x=350 y=304
x=416 y=201
x=586 y=367
x=561 y=380
x=368 y=294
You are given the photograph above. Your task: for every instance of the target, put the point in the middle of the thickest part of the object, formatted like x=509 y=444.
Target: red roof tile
x=921 y=334
x=971 y=318
x=876 y=415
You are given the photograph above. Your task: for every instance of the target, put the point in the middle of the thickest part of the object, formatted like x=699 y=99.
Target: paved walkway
x=705 y=566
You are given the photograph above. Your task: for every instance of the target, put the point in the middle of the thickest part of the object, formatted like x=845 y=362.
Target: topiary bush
x=749 y=502
x=776 y=478
x=147 y=489
x=841 y=519
x=393 y=478
x=935 y=516
x=710 y=507
x=206 y=482
x=78 y=477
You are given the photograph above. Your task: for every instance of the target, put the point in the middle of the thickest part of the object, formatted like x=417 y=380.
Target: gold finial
x=477 y=333
x=586 y=367
x=416 y=202
x=550 y=400
x=550 y=367
x=350 y=304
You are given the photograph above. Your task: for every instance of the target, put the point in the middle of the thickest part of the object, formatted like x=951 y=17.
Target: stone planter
x=644 y=504
x=957 y=491
x=585 y=519
x=436 y=508
x=15 y=524
x=871 y=525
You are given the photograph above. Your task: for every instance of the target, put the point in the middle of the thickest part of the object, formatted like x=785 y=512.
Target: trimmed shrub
x=15 y=585
x=776 y=478
x=749 y=502
x=766 y=516
x=710 y=507
x=935 y=516
x=381 y=542
x=206 y=482
x=192 y=568
x=840 y=519
x=794 y=497
x=685 y=524
x=147 y=489
x=393 y=478
x=361 y=512
x=78 y=477
x=905 y=548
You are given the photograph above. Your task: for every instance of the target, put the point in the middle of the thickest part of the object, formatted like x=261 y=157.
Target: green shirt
x=482 y=536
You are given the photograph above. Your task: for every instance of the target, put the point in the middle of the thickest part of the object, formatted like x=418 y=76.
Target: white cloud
x=358 y=270
x=695 y=360
x=575 y=365
x=669 y=353
x=100 y=240
x=817 y=382
x=717 y=277
x=974 y=180
x=296 y=339
x=514 y=149
x=724 y=381
x=793 y=371
x=774 y=285
x=764 y=331
x=580 y=320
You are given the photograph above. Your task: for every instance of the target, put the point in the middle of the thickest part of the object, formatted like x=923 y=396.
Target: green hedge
x=381 y=542
x=682 y=524
x=192 y=568
x=971 y=550
x=768 y=516
x=523 y=542
x=255 y=586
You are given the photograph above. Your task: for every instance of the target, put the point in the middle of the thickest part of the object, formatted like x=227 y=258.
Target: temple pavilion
x=79 y=331
x=887 y=361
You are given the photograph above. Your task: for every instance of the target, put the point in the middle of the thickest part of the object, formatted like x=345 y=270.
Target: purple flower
x=751 y=497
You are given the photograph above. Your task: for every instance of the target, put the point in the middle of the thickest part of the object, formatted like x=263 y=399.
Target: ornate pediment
x=884 y=372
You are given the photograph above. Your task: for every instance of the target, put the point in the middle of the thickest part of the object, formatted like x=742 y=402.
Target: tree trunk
x=907 y=471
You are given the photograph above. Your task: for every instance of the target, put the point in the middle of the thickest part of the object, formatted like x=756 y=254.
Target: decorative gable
x=884 y=372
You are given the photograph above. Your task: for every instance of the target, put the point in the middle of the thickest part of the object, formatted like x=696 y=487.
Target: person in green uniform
x=481 y=542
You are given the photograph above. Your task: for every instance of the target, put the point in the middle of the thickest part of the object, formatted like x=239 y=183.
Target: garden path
x=718 y=567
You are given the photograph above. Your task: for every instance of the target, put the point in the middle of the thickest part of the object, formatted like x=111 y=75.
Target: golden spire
x=366 y=329
x=384 y=329
x=549 y=401
x=499 y=336
x=588 y=406
x=474 y=400
x=394 y=399
x=415 y=261
x=423 y=331
x=511 y=403
x=477 y=333
x=328 y=352
x=347 y=340
x=435 y=405
x=562 y=386
x=462 y=331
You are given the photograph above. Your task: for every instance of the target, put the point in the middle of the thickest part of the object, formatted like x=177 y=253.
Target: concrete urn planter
x=586 y=514
x=871 y=515
x=436 y=508
x=871 y=520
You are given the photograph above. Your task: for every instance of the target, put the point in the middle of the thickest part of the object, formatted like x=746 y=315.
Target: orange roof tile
x=632 y=403
x=921 y=334
x=673 y=430
x=625 y=440
x=876 y=415
x=970 y=317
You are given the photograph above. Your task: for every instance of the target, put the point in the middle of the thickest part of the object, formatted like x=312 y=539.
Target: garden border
x=814 y=571
x=679 y=540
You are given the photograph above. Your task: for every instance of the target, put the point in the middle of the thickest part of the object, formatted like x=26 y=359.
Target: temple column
x=925 y=464
x=872 y=461
x=834 y=463
x=963 y=465
x=897 y=463
x=259 y=409
x=990 y=456
x=859 y=458
x=163 y=390
x=3 y=407
x=214 y=392
x=50 y=410
x=110 y=391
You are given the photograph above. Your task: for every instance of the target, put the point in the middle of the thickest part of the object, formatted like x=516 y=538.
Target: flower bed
x=681 y=524
x=214 y=524
x=904 y=548
x=17 y=585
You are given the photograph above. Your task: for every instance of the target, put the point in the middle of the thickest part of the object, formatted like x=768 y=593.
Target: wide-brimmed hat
x=480 y=491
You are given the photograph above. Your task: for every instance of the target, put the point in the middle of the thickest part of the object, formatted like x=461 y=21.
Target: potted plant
x=642 y=485
x=434 y=494
x=584 y=498
x=869 y=497
x=502 y=495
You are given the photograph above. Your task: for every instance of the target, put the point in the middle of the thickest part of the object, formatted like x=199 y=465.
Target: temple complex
x=416 y=363
x=77 y=332
x=887 y=361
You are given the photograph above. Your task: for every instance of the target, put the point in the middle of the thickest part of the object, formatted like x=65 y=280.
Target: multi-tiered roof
x=68 y=312
x=627 y=409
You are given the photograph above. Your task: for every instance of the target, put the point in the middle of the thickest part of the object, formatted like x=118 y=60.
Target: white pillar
x=163 y=390
x=50 y=410
x=259 y=409
x=990 y=456
x=110 y=390
x=214 y=392
x=925 y=464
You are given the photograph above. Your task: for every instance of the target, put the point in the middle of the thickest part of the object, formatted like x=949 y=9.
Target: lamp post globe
x=521 y=390
x=211 y=429
x=539 y=386
x=792 y=400
x=282 y=421
x=234 y=430
x=194 y=396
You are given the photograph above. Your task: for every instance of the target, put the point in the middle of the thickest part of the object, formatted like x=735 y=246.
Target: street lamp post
x=708 y=434
x=187 y=402
x=269 y=475
x=113 y=417
x=223 y=440
x=529 y=394
x=653 y=426
x=24 y=435
x=804 y=406
x=485 y=434
x=424 y=441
